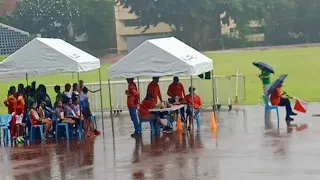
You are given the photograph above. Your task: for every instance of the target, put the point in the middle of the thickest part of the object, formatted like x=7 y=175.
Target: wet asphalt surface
x=241 y=148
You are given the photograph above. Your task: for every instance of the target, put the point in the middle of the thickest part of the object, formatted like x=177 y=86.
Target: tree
x=65 y=19
x=189 y=17
x=96 y=17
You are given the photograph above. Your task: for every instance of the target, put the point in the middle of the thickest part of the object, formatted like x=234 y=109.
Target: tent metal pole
x=78 y=76
x=110 y=101
x=192 y=100
x=213 y=92
x=81 y=122
x=101 y=101
x=27 y=79
x=138 y=88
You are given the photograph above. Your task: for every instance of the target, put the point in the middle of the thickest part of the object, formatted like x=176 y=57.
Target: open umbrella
x=264 y=66
x=277 y=83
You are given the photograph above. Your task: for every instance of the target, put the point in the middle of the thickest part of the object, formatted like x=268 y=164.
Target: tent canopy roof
x=161 y=57
x=43 y=56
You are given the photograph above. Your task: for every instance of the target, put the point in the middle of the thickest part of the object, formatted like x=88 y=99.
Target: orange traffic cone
x=213 y=124
x=179 y=137
x=214 y=133
x=179 y=124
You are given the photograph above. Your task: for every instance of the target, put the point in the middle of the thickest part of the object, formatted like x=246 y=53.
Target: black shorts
x=86 y=112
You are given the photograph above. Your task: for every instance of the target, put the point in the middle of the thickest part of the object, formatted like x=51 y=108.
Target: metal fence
x=225 y=88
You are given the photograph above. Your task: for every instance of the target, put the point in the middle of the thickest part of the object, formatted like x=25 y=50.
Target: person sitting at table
x=176 y=94
x=153 y=117
x=154 y=89
x=281 y=99
x=193 y=106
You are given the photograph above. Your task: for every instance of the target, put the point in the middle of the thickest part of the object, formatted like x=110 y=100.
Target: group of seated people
x=31 y=106
x=176 y=95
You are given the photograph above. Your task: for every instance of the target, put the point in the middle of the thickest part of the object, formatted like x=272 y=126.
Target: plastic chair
x=64 y=125
x=4 y=123
x=267 y=108
x=33 y=129
x=94 y=119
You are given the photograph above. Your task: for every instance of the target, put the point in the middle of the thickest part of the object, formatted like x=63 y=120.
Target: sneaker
x=21 y=138
x=136 y=134
x=96 y=132
x=167 y=131
x=289 y=118
x=292 y=114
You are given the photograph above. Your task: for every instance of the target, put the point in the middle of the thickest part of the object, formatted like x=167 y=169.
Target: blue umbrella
x=264 y=66
x=277 y=83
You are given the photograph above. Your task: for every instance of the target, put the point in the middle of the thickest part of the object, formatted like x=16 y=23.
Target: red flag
x=301 y=106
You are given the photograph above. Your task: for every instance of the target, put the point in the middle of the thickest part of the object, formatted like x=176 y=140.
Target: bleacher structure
x=12 y=39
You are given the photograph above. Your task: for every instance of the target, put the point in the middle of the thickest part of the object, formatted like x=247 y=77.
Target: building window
x=131 y=22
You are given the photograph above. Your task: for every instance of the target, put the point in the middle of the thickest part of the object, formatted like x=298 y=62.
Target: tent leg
x=27 y=79
x=78 y=77
x=213 y=92
x=110 y=101
x=192 y=110
x=138 y=88
x=101 y=102
x=81 y=122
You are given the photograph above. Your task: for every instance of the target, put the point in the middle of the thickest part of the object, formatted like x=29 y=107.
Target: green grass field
x=300 y=64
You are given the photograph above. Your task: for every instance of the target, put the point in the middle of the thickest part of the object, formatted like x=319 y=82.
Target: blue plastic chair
x=64 y=125
x=4 y=123
x=34 y=128
x=94 y=119
x=267 y=108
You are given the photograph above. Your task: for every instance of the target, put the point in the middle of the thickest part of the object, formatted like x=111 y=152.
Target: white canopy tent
x=161 y=57
x=44 y=56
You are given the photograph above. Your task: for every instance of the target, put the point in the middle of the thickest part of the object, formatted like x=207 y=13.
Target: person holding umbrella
x=266 y=71
x=278 y=98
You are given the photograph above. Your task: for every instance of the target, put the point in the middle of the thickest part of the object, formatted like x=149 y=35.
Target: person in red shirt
x=144 y=113
x=11 y=100
x=176 y=93
x=132 y=102
x=176 y=90
x=154 y=89
x=195 y=104
x=281 y=99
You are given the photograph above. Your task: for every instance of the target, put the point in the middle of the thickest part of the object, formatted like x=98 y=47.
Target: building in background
x=129 y=35
x=7 y=5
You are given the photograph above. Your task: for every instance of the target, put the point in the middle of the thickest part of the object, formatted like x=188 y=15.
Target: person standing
x=81 y=86
x=176 y=93
x=265 y=79
x=132 y=102
x=154 y=89
x=194 y=104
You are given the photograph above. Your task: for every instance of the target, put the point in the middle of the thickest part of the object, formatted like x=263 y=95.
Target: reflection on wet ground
x=241 y=148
